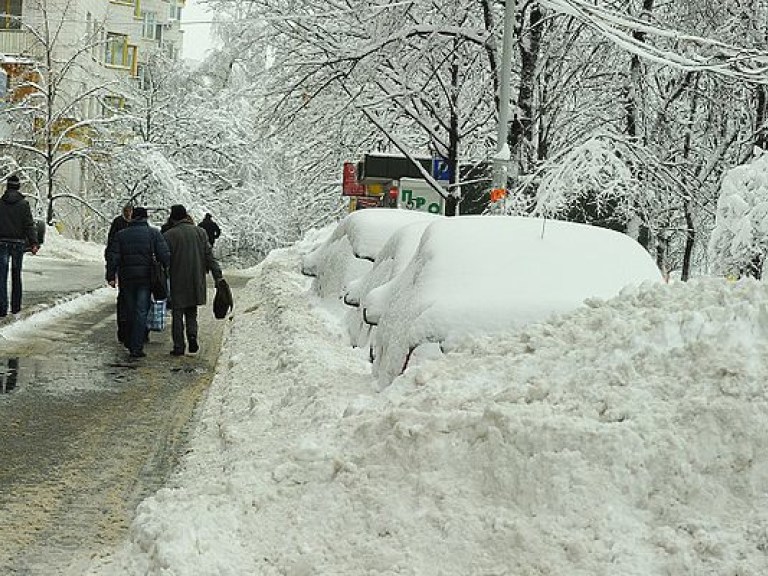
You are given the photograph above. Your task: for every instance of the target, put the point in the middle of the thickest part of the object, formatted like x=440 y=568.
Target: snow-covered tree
x=739 y=242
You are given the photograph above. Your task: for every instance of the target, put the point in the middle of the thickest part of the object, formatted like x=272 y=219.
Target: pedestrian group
x=184 y=250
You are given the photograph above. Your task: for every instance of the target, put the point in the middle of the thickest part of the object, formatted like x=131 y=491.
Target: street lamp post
x=502 y=158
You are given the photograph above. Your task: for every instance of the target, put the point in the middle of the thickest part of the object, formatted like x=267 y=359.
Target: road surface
x=86 y=432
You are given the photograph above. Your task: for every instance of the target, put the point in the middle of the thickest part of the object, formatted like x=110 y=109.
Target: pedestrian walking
x=191 y=259
x=211 y=228
x=120 y=223
x=129 y=261
x=17 y=234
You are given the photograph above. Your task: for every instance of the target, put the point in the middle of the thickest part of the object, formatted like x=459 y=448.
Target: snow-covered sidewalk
x=630 y=437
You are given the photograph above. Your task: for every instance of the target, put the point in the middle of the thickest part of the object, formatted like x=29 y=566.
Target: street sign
x=416 y=194
x=350 y=186
x=441 y=170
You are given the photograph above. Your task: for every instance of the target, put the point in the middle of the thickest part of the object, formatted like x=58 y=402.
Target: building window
x=174 y=12
x=143 y=78
x=149 y=27
x=116 y=50
x=112 y=105
x=171 y=51
x=11 y=17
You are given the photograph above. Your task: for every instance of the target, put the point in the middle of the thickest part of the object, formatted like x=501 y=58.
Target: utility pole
x=502 y=158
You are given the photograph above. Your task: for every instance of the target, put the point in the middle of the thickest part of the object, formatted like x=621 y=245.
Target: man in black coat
x=211 y=228
x=17 y=233
x=132 y=252
x=120 y=223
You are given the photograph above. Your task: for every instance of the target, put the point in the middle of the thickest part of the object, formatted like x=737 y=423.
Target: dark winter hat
x=178 y=212
x=140 y=212
x=13 y=182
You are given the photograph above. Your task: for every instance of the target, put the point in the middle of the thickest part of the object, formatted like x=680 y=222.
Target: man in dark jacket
x=17 y=232
x=131 y=252
x=211 y=228
x=120 y=223
x=191 y=258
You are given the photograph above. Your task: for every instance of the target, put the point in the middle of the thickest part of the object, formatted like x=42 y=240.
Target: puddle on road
x=9 y=375
x=80 y=372
x=55 y=374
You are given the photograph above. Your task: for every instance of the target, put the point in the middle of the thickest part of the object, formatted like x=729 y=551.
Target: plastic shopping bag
x=156 y=316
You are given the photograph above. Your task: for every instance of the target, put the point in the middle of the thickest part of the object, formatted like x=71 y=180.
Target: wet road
x=86 y=434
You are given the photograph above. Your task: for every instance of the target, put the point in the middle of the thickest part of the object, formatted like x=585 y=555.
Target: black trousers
x=182 y=318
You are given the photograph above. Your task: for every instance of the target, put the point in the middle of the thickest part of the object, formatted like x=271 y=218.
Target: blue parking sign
x=441 y=170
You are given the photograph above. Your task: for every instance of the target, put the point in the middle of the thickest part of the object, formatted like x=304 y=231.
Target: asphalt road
x=86 y=433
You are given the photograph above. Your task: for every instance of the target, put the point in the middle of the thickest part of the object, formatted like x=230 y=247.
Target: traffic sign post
x=441 y=169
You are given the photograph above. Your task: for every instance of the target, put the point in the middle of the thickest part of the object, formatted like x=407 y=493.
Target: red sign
x=349 y=184
x=366 y=202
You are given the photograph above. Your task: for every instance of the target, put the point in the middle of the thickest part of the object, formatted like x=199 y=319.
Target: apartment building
x=122 y=33
x=99 y=50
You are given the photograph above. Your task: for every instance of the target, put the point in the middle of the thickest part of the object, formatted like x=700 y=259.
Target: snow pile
x=56 y=246
x=629 y=437
x=45 y=318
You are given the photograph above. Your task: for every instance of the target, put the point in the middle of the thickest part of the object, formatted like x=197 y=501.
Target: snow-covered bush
x=739 y=240
x=591 y=178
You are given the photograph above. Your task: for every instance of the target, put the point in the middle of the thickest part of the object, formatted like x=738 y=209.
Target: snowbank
x=629 y=437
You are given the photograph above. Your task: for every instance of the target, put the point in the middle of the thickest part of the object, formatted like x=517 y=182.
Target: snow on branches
x=592 y=172
x=739 y=242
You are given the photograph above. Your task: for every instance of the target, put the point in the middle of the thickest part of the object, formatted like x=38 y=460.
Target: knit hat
x=13 y=182
x=140 y=213
x=178 y=212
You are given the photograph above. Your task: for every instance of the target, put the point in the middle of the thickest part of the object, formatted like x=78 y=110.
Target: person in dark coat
x=211 y=228
x=120 y=223
x=131 y=252
x=17 y=233
x=191 y=259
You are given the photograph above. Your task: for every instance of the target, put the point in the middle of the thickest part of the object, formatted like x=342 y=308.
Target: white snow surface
x=477 y=275
x=627 y=437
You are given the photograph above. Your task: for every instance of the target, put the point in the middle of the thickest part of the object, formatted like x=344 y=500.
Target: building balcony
x=17 y=43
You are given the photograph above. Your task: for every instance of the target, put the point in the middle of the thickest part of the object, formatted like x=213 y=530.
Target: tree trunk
x=490 y=50
x=632 y=109
x=452 y=201
x=632 y=104
x=761 y=130
x=690 y=230
x=521 y=132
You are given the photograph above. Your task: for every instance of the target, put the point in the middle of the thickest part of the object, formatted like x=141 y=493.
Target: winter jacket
x=211 y=228
x=191 y=259
x=16 y=222
x=118 y=224
x=129 y=255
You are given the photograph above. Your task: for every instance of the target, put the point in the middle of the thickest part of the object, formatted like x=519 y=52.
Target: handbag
x=158 y=281
x=222 y=302
x=156 y=315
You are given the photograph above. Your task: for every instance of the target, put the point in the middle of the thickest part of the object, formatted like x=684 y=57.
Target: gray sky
x=197 y=37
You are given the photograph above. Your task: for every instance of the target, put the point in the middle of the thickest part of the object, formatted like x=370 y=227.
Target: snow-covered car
x=480 y=275
x=366 y=294
x=351 y=249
